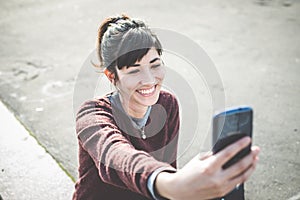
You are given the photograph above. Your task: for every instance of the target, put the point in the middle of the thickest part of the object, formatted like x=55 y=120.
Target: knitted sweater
x=114 y=161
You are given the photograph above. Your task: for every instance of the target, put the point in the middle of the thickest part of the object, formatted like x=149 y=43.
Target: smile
x=147 y=92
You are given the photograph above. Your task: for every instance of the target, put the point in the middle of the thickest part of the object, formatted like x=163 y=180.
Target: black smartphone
x=229 y=126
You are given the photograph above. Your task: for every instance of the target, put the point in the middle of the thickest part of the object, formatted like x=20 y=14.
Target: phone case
x=230 y=126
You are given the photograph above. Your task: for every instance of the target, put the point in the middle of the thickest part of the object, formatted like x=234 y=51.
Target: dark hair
x=122 y=41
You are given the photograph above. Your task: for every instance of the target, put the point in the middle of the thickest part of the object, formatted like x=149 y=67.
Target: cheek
x=127 y=84
x=160 y=74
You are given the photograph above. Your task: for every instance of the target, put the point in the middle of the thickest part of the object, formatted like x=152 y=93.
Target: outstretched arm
x=204 y=178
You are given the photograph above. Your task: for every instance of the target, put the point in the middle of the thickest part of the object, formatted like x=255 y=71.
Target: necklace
x=142 y=131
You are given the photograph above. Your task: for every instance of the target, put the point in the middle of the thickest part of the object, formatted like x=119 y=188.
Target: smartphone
x=228 y=127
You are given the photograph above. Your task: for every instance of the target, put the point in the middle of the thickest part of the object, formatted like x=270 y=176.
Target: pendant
x=143 y=134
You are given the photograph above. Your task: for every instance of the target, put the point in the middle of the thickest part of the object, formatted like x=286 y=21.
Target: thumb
x=204 y=155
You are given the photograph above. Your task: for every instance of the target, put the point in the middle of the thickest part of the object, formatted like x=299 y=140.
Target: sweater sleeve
x=116 y=159
x=173 y=129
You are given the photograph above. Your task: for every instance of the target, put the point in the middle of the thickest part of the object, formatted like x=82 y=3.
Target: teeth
x=148 y=91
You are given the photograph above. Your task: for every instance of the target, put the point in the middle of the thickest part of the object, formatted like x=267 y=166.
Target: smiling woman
x=118 y=133
x=128 y=138
x=139 y=84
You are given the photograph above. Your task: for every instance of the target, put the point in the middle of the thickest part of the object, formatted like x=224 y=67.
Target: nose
x=148 y=78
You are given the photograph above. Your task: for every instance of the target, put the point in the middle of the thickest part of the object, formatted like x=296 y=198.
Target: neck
x=133 y=110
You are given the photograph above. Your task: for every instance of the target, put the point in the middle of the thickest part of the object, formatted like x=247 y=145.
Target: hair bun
x=114 y=20
x=105 y=24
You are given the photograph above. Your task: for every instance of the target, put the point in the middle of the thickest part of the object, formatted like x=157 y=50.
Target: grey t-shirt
x=138 y=123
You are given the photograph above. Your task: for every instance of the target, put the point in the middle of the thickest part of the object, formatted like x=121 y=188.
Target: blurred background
x=254 y=44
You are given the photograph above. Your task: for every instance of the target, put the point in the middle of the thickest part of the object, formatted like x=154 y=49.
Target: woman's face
x=139 y=85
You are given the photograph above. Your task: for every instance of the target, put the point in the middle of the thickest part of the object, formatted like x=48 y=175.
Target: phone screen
x=230 y=126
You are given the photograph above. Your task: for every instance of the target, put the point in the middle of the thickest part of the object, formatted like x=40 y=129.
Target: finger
x=241 y=178
x=241 y=166
x=255 y=149
x=226 y=154
x=244 y=163
x=203 y=156
x=244 y=176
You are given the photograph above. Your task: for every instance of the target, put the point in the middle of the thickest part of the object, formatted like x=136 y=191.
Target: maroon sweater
x=114 y=161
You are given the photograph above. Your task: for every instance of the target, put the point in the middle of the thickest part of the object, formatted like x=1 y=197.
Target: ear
x=109 y=75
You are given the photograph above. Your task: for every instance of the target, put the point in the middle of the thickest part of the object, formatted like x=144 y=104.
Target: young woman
x=128 y=138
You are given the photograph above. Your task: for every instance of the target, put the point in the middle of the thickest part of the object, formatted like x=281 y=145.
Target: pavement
x=28 y=171
x=254 y=45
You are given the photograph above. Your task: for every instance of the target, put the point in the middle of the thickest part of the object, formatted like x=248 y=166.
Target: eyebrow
x=151 y=61
x=155 y=59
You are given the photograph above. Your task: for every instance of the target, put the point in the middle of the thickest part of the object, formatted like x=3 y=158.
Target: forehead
x=151 y=54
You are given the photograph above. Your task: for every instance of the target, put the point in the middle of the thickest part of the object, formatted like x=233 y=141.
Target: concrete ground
x=254 y=44
x=27 y=170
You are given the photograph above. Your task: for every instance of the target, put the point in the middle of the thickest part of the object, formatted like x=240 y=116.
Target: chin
x=149 y=100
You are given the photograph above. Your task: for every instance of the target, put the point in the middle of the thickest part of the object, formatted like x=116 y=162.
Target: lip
x=147 y=92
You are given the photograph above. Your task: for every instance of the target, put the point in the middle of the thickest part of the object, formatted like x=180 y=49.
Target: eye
x=134 y=71
x=155 y=66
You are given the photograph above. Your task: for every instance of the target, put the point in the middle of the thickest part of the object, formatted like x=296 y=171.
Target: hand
x=204 y=177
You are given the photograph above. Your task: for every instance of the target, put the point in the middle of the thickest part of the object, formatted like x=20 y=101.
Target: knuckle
x=208 y=170
x=228 y=154
x=239 y=146
x=244 y=178
x=243 y=165
x=216 y=185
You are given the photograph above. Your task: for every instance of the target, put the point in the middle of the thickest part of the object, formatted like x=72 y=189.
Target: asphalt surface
x=255 y=46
